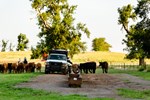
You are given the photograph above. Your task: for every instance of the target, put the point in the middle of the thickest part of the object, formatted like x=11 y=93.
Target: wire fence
x=126 y=66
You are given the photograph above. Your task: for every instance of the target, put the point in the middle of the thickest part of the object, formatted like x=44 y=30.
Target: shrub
x=141 y=68
x=148 y=68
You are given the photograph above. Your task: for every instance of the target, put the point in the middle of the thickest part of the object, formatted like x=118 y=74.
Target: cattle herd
x=90 y=67
x=87 y=67
x=20 y=67
x=74 y=71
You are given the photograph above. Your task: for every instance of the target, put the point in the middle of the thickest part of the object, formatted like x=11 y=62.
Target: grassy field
x=9 y=92
x=144 y=75
x=14 y=56
x=132 y=93
x=135 y=94
x=111 y=57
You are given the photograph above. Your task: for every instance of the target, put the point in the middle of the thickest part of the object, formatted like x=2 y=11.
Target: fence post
x=124 y=66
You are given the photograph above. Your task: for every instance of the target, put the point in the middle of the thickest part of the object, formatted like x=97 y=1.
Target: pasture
x=8 y=91
x=114 y=59
x=14 y=56
x=111 y=57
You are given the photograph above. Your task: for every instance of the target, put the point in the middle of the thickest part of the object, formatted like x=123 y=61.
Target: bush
x=148 y=68
x=141 y=68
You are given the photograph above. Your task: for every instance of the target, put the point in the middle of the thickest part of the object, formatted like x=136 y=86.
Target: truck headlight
x=64 y=65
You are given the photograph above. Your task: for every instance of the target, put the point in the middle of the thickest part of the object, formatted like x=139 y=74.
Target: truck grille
x=55 y=64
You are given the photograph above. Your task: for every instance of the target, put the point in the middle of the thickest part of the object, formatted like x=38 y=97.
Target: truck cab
x=57 y=62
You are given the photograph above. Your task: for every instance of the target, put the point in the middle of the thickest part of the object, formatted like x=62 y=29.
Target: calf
x=38 y=67
x=75 y=69
x=30 y=67
x=9 y=67
x=104 y=66
x=14 y=67
x=5 y=67
x=20 y=68
x=1 y=68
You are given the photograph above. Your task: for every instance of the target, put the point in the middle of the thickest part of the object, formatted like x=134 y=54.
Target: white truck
x=58 y=61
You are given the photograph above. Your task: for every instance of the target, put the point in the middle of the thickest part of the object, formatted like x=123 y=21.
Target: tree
x=137 y=37
x=22 y=42
x=40 y=50
x=55 y=19
x=11 y=47
x=4 y=45
x=99 y=44
x=35 y=53
x=143 y=10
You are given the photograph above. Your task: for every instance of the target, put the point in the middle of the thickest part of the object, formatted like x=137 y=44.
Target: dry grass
x=14 y=56
x=99 y=56
x=113 y=57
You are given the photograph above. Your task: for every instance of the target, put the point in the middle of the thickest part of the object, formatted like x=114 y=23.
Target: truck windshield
x=58 y=57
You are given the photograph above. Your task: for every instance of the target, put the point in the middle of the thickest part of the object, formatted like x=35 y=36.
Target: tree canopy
x=99 y=44
x=58 y=30
x=138 y=34
x=22 y=42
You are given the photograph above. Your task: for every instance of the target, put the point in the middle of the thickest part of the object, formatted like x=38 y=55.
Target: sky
x=100 y=17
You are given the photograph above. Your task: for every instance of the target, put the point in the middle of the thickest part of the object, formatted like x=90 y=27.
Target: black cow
x=104 y=66
x=9 y=67
x=88 y=66
x=1 y=68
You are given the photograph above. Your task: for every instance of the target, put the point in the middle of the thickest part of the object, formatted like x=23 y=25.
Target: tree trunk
x=141 y=61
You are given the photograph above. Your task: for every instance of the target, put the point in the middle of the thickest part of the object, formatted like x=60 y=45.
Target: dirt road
x=94 y=85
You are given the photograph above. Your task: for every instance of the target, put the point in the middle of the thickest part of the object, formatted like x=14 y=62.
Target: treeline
x=21 y=46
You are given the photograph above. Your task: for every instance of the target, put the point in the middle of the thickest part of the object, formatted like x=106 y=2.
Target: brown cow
x=30 y=67
x=75 y=69
x=5 y=67
x=104 y=66
x=38 y=67
x=14 y=67
x=20 y=68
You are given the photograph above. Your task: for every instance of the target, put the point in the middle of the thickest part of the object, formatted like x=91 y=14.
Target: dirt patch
x=94 y=85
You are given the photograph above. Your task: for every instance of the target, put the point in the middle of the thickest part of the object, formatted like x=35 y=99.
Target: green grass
x=9 y=92
x=143 y=74
x=136 y=94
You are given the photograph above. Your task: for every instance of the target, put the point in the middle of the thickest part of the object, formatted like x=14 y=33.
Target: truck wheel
x=63 y=72
x=69 y=85
x=46 y=72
